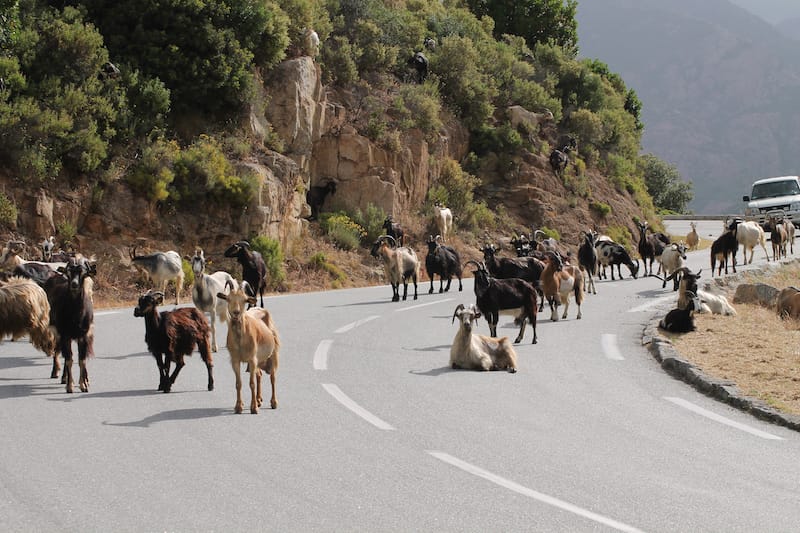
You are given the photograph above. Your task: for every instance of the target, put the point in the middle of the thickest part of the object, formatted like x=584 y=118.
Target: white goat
x=749 y=234
x=161 y=268
x=672 y=259
x=48 y=245
x=205 y=289
x=715 y=303
x=24 y=309
x=479 y=352
x=253 y=340
x=311 y=42
x=444 y=220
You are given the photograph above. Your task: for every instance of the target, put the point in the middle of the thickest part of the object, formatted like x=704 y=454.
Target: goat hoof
x=238 y=409
x=254 y=410
x=512 y=370
x=274 y=404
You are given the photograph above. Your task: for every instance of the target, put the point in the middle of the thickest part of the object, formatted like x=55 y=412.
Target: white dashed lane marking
x=345 y=400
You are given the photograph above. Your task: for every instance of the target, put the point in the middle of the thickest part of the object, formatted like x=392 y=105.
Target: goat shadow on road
x=113 y=394
x=24 y=390
x=168 y=416
x=433 y=372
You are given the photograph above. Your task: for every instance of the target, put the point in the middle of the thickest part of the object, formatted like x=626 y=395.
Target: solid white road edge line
x=609 y=343
x=345 y=400
x=525 y=491
x=651 y=303
x=321 y=355
x=721 y=419
x=423 y=305
x=353 y=325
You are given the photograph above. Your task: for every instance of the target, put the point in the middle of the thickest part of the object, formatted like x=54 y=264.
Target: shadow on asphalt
x=167 y=416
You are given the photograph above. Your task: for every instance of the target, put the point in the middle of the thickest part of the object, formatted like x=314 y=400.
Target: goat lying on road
x=479 y=352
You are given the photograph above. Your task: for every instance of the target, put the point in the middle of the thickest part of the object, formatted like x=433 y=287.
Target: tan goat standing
x=252 y=339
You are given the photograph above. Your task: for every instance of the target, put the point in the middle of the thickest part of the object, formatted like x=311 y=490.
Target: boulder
x=756 y=293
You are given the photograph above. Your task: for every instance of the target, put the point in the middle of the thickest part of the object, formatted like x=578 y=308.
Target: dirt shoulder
x=750 y=360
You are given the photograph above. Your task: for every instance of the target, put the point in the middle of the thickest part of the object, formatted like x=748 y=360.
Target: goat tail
x=266 y=317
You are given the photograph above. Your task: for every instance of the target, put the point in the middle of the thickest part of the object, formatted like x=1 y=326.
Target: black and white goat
x=172 y=335
x=443 y=261
x=610 y=253
x=254 y=269
x=511 y=296
x=471 y=351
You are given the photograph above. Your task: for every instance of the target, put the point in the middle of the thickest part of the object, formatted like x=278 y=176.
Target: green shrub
x=8 y=211
x=188 y=273
x=456 y=190
x=320 y=262
x=371 y=221
x=550 y=233
x=601 y=208
x=620 y=234
x=270 y=250
x=342 y=230
x=66 y=230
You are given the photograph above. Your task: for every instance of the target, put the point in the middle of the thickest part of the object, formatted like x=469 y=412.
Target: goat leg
x=273 y=402
x=237 y=370
x=83 y=381
x=56 y=366
x=178 y=366
x=255 y=386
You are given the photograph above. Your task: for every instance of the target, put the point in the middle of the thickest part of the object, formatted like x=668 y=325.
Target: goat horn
x=459 y=307
x=244 y=244
x=247 y=289
x=394 y=242
x=437 y=238
x=229 y=283
x=479 y=266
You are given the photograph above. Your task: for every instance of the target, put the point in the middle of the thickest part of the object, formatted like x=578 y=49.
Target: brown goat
x=558 y=281
x=692 y=238
x=252 y=339
x=788 y=303
x=778 y=237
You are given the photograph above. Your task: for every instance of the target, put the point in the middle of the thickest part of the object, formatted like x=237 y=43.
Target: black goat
x=526 y=268
x=315 y=197
x=420 y=64
x=522 y=245
x=682 y=320
x=650 y=246
x=394 y=230
x=559 y=160
x=172 y=335
x=723 y=247
x=511 y=296
x=587 y=259
x=72 y=317
x=254 y=269
x=444 y=261
x=108 y=70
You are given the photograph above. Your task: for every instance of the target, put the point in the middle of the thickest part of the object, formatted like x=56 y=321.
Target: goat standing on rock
x=479 y=352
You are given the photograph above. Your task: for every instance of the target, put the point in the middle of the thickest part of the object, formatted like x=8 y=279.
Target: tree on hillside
x=664 y=184
x=538 y=21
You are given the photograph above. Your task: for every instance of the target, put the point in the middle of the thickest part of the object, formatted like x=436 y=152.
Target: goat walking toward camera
x=252 y=340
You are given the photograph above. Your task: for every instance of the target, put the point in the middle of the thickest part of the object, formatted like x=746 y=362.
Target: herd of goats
x=50 y=300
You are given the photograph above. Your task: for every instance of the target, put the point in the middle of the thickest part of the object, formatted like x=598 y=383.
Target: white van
x=774 y=196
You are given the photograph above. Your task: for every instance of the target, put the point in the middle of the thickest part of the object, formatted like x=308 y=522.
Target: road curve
x=374 y=432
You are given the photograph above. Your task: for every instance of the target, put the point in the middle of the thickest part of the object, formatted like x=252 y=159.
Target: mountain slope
x=718 y=87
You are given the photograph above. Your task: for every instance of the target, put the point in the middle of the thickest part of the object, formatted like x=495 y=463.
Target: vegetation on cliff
x=169 y=122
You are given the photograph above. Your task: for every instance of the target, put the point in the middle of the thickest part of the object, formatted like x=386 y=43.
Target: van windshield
x=775 y=188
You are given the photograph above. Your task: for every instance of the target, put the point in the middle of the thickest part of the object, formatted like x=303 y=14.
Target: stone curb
x=723 y=390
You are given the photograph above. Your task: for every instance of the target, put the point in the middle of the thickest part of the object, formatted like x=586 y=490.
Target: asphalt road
x=374 y=432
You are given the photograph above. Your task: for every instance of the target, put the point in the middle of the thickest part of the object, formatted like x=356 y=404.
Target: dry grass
x=755 y=349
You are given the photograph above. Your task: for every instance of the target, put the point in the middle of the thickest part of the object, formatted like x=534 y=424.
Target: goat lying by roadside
x=479 y=352
x=682 y=320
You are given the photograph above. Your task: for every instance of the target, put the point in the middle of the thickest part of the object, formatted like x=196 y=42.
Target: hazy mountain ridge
x=719 y=88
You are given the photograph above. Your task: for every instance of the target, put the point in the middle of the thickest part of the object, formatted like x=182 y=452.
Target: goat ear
x=251 y=300
x=93 y=269
x=222 y=295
